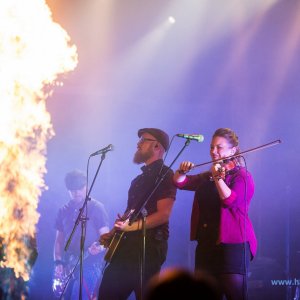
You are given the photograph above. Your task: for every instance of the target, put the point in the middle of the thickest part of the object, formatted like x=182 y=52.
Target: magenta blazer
x=235 y=225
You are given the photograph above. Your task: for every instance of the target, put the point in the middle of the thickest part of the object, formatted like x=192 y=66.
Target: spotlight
x=171 y=20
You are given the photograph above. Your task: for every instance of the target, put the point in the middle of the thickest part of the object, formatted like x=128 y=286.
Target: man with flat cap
x=122 y=276
x=65 y=261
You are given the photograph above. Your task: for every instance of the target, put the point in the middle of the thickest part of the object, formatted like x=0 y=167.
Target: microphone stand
x=142 y=210
x=83 y=220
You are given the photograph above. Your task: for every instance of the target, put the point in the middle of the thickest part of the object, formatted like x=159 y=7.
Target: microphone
x=104 y=150
x=196 y=137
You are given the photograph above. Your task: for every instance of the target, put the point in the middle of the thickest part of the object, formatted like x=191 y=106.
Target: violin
x=229 y=163
x=224 y=167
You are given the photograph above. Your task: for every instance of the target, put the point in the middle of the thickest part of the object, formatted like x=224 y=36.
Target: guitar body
x=114 y=243
x=60 y=281
x=112 y=247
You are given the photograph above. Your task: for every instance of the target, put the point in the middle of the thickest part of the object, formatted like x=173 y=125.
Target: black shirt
x=144 y=184
x=66 y=217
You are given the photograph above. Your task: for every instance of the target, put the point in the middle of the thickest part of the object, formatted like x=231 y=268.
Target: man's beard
x=140 y=157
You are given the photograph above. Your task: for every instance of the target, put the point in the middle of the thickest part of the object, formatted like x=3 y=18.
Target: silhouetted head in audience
x=178 y=283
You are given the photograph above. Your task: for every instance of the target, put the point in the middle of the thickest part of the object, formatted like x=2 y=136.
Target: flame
x=34 y=51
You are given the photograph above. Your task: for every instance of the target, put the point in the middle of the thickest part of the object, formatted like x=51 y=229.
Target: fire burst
x=34 y=51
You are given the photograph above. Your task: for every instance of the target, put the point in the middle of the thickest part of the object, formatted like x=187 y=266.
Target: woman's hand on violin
x=218 y=171
x=185 y=167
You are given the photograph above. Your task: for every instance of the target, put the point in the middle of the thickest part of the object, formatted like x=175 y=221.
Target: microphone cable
x=245 y=281
x=164 y=159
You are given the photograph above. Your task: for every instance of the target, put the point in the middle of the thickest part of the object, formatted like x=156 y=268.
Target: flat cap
x=159 y=135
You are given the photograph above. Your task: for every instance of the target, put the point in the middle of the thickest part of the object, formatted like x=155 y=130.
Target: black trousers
x=123 y=275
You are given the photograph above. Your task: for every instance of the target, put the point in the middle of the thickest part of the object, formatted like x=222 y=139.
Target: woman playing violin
x=220 y=224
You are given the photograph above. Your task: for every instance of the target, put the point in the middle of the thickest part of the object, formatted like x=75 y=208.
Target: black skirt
x=223 y=258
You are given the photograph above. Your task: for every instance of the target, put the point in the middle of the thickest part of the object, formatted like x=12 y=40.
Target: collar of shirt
x=152 y=167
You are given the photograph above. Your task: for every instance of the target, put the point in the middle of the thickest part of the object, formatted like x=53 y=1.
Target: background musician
x=96 y=224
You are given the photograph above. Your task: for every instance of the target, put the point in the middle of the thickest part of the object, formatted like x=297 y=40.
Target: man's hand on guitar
x=111 y=240
x=122 y=222
x=106 y=238
x=95 y=248
x=122 y=225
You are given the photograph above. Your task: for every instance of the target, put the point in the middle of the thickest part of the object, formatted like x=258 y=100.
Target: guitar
x=60 y=281
x=114 y=242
